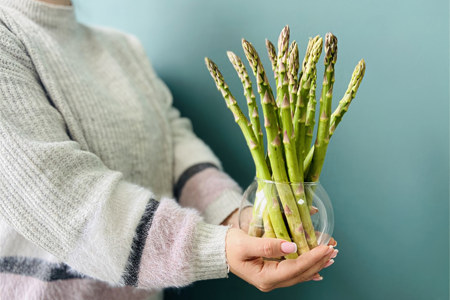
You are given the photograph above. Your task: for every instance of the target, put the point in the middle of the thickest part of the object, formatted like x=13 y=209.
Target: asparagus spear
x=342 y=108
x=239 y=117
x=282 y=84
x=293 y=66
x=285 y=108
x=249 y=95
x=272 y=53
x=295 y=171
x=311 y=112
x=323 y=136
x=255 y=149
x=352 y=88
x=303 y=94
x=274 y=150
x=289 y=142
x=309 y=47
x=268 y=228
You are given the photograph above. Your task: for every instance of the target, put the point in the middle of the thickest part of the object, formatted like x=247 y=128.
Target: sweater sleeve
x=66 y=201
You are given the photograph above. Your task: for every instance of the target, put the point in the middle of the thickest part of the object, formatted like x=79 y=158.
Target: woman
x=92 y=155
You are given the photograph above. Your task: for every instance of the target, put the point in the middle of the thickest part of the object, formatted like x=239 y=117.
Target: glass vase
x=273 y=201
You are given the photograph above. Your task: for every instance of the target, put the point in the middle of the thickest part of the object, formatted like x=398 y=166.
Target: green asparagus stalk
x=323 y=136
x=303 y=97
x=250 y=137
x=268 y=228
x=311 y=112
x=342 y=108
x=350 y=94
x=249 y=95
x=295 y=171
x=307 y=163
x=283 y=83
x=256 y=151
x=289 y=141
x=293 y=66
x=274 y=150
x=309 y=47
x=272 y=53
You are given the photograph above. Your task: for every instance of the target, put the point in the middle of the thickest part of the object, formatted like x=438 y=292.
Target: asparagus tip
x=293 y=61
x=330 y=48
x=211 y=66
x=357 y=76
x=215 y=73
x=363 y=63
x=272 y=54
x=231 y=56
x=283 y=40
x=292 y=46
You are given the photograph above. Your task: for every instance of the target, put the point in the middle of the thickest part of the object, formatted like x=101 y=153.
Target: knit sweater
x=93 y=159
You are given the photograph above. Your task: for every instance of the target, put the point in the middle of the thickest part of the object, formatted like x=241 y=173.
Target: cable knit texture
x=89 y=143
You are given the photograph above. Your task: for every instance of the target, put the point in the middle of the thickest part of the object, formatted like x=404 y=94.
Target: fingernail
x=288 y=247
x=329 y=263
x=318 y=278
x=335 y=253
x=313 y=210
x=333 y=242
x=329 y=250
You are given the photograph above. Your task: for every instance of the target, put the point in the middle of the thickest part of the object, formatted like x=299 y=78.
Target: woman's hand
x=244 y=256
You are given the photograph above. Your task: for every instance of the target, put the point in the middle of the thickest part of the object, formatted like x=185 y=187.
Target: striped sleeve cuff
x=188 y=174
x=208 y=252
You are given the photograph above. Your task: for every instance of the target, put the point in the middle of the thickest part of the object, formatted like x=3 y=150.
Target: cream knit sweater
x=92 y=154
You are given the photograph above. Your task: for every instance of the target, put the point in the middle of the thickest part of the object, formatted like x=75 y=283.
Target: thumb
x=269 y=247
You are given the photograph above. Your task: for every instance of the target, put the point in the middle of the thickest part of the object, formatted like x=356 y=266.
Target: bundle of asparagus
x=289 y=121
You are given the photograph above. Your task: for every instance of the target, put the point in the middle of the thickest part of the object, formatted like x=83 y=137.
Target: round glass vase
x=261 y=193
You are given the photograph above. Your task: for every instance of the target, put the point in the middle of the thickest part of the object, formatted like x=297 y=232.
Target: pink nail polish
x=335 y=253
x=288 y=247
x=329 y=250
x=329 y=263
x=318 y=278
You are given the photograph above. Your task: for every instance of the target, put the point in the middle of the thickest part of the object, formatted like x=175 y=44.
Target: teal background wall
x=387 y=168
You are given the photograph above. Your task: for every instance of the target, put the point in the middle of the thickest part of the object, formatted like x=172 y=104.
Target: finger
x=324 y=263
x=313 y=210
x=292 y=268
x=332 y=242
x=309 y=274
x=270 y=247
x=317 y=277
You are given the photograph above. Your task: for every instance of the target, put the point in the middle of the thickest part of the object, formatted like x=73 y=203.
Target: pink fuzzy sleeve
x=177 y=248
